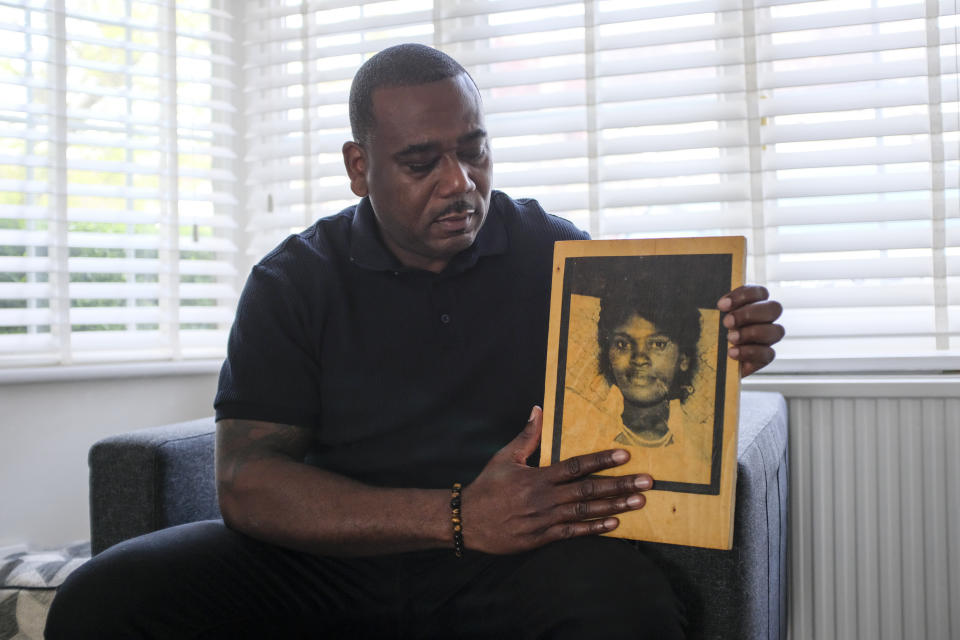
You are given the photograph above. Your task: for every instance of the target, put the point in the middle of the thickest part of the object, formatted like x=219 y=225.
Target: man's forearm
x=269 y=493
x=302 y=507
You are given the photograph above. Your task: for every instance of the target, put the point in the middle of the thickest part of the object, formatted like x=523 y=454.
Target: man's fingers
x=756 y=313
x=579 y=466
x=592 y=509
x=598 y=487
x=762 y=334
x=752 y=357
x=741 y=296
x=750 y=321
x=568 y=530
x=526 y=442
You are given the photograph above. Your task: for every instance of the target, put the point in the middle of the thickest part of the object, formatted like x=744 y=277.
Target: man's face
x=644 y=361
x=426 y=169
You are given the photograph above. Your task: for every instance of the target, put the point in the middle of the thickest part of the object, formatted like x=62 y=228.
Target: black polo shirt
x=408 y=378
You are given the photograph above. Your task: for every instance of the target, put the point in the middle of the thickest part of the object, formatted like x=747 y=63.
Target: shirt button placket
x=443 y=304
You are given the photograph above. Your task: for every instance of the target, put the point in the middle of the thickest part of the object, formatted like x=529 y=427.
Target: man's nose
x=639 y=354
x=455 y=177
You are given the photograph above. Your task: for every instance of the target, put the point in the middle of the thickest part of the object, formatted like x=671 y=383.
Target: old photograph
x=642 y=345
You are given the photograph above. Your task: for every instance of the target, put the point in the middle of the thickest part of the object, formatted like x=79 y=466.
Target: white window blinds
x=116 y=181
x=300 y=61
x=826 y=132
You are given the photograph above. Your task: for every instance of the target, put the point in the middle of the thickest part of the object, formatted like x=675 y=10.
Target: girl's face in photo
x=644 y=361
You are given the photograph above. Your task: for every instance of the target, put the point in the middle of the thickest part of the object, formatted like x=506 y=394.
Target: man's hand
x=512 y=507
x=750 y=326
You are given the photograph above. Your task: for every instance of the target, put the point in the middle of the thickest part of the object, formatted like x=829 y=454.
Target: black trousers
x=203 y=580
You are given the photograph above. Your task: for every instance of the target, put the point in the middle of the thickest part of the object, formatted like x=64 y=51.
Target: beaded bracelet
x=455 y=519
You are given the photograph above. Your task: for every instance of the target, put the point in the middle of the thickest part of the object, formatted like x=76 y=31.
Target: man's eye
x=473 y=155
x=422 y=167
x=660 y=344
x=620 y=345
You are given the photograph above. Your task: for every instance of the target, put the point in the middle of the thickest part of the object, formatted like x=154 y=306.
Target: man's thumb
x=528 y=439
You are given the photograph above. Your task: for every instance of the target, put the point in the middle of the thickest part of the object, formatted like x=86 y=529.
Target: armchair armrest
x=150 y=479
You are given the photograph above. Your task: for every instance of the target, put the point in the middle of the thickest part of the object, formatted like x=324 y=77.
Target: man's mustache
x=460 y=206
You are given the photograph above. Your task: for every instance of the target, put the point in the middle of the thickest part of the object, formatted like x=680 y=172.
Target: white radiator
x=875 y=518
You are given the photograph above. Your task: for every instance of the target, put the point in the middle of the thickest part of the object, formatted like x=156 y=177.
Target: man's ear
x=684 y=362
x=355 y=161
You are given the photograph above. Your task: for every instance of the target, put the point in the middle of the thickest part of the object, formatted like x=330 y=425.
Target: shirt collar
x=367 y=249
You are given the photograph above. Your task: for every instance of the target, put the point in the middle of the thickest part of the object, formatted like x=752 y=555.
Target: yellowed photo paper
x=637 y=359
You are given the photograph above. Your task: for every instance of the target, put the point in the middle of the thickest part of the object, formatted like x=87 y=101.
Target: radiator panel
x=875 y=518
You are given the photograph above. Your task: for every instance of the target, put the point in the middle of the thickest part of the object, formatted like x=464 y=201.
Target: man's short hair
x=402 y=65
x=660 y=305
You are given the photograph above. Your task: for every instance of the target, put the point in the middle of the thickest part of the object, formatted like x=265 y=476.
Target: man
x=377 y=359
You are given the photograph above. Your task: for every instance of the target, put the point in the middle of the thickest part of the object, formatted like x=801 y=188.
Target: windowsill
x=73 y=373
x=918 y=376
x=903 y=364
x=901 y=376
x=855 y=385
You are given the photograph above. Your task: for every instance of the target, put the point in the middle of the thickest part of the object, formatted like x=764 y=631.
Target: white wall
x=46 y=428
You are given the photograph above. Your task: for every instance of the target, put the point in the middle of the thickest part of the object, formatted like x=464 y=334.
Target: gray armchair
x=155 y=478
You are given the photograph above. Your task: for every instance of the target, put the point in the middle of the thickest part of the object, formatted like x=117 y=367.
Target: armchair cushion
x=28 y=583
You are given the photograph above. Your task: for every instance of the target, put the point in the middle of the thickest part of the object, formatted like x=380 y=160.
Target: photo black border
x=713 y=488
